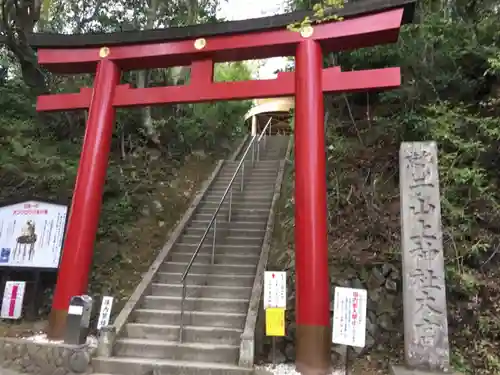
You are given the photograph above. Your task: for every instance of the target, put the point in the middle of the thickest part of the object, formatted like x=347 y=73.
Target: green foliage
x=450 y=63
x=322 y=12
x=39 y=153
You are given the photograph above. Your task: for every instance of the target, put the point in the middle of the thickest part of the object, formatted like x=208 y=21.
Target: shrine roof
x=350 y=10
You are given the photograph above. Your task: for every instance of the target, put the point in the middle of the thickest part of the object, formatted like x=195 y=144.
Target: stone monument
x=424 y=292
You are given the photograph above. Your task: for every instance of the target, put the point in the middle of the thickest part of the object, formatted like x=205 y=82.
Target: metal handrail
x=263 y=134
x=213 y=221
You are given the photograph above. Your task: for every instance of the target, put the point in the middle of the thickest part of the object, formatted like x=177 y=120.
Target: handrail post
x=183 y=297
x=253 y=153
x=263 y=135
x=230 y=204
x=242 y=176
x=213 y=241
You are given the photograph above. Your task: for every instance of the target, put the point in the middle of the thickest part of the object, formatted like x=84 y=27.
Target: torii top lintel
x=367 y=23
x=379 y=25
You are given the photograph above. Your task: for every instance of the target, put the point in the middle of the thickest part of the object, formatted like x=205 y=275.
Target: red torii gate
x=380 y=24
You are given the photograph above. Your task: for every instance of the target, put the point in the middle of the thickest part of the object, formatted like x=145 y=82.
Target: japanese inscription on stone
x=424 y=293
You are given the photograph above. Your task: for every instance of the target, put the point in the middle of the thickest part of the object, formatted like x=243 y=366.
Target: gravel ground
x=285 y=369
x=8 y=372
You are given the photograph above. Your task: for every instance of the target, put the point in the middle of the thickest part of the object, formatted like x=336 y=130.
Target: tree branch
x=84 y=21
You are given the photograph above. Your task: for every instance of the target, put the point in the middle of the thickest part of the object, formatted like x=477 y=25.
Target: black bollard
x=78 y=320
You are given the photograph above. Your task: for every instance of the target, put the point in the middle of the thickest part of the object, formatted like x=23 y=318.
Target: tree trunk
x=181 y=74
x=142 y=80
x=18 y=20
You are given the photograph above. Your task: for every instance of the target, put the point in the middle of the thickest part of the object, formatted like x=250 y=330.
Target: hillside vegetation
x=450 y=61
x=450 y=94
x=159 y=157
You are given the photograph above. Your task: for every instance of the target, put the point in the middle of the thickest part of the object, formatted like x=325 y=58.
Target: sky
x=233 y=10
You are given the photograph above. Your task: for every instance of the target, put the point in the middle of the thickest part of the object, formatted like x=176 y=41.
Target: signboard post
x=275 y=305
x=349 y=317
x=12 y=302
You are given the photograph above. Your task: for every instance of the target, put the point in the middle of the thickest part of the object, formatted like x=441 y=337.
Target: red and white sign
x=12 y=303
x=31 y=234
x=105 y=313
x=349 y=317
x=275 y=290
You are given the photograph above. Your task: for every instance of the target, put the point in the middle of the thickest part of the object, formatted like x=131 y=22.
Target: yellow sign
x=275 y=322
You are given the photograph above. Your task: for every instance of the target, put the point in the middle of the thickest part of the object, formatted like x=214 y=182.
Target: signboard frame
x=38 y=274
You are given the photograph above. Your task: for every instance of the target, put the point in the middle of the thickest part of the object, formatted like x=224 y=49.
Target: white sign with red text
x=105 y=313
x=349 y=317
x=274 y=290
x=12 y=303
x=31 y=234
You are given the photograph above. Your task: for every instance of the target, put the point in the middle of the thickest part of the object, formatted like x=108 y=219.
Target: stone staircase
x=217 y=296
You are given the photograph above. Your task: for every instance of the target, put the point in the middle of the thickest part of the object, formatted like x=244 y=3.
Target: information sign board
x=105 y=313
x=275 y=322
x=31 y=234
x=349 y=317
x=275 y=290
x=12 y=302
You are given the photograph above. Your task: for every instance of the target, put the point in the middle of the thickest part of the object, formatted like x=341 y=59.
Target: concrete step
x=206 y=279
x=274 y=155
x=220 y=249
x=238 y=200
x=233 y=224
x=251 y=171
x=235 y=210
x=196 y=304
x=250 y=205
x=219 y=353
x=248 y=161
x=241 y=196
x=224 y=254
x=275 y=148
x=249 y=180
x=216 y=335
x=249 y=176
x=205 y=257
x=175 y=290
x=143 y=366
x=216 y=269
x=225 y=231
x=236 y=215
x=247 y=186
x=196 y=318
x=261 y=163
x=229 y=240
x=220 y=187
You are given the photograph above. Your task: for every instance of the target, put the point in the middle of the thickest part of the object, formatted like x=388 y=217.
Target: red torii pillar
x=311 y=244
x=308 y=83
